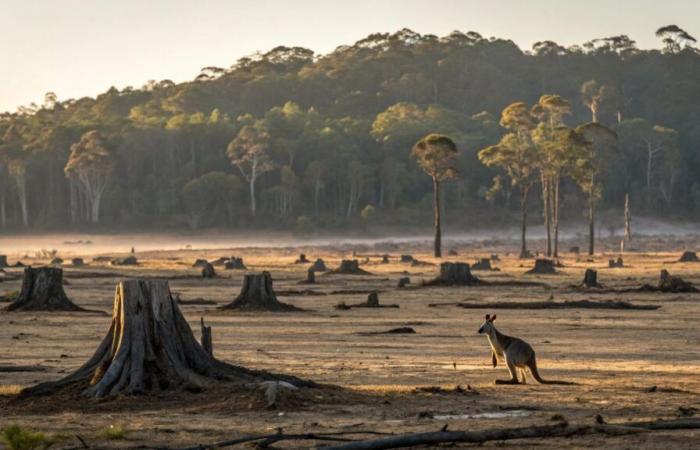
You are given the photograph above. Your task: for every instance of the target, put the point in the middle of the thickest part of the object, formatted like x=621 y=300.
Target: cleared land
x=630 y=364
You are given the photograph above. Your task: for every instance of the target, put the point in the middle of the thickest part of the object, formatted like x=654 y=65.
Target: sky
x=79 y=48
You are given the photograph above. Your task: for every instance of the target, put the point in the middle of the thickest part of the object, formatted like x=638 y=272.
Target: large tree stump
x=319 y=266
x=688 y=256
x=454 y=274
x=543 y=266
x=257 y=294
x=590 y=279
x=235 y=263
x=42 y=290
x=208 y=271
x=148 y=348
x=349 y=267
x=3 y=261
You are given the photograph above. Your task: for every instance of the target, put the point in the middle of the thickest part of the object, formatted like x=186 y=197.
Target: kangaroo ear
x=493 y=318
x=487 y=316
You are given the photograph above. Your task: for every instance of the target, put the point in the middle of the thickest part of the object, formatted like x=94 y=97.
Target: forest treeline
x=290 y=139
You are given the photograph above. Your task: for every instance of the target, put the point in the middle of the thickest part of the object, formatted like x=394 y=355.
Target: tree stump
x=403 y=282
x=150 y=347
x=482 y=264
x=319 y=266
x=590 y=279
x=220 y=261
x=208 y=271
x=302 y=259
x=257 y=294
x=77 y=262
x=406 y=258
x=56 y=261
x=42 y=290
x=668 y=283
x=454 y=274
x=128 y=261
x=373 y=300
x=494 y=257
x=200 y=263
x=385 y=259
x=235 y=263
x=349 y=267
x=310 y=276
x=206 y=339
x=3 y=261
x=612 y=263
x=452 y=252
x=543 y=266
x=688 y=256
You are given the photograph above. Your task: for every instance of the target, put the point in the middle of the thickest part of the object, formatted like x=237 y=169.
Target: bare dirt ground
x=630 y=365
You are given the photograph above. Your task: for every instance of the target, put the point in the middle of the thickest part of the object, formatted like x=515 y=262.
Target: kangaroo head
x=487 y=327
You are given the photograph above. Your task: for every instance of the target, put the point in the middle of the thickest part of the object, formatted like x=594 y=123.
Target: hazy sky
x=82 y=47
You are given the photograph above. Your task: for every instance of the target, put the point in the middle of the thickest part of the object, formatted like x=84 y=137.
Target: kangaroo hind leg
x=513 y=374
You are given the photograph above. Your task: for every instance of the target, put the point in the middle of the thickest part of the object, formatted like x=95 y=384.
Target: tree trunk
x=42 y=290
x=436 y=207
x=555 y=216
x=454 y=274
x=650 y=157
x=257 y=294
x=523 y=223
x=148 y=348
x=591 y=226
x=628 y=219
x=3 y=211
x=546 y=210
x=22 y=196
x=206 y=339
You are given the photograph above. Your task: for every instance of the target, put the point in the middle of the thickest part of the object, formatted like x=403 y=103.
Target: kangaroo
x=518 y=354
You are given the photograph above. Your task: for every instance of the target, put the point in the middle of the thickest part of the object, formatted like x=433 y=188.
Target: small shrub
x=18 y=438
x=114 y=432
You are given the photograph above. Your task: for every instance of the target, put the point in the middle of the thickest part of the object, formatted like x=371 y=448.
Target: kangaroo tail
x=532 y=364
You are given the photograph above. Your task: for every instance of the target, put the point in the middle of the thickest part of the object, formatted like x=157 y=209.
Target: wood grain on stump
x=42 y=290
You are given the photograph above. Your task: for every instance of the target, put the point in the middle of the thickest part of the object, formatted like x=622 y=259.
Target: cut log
x=688 y=256
x=42 y=290
x=150 y=347
x=454 y=274
x=208 y=271
x=569 y=304
x=77 y=262
x=319 y=266
x=235 y=263
x=257 y=294
x=349 y=267
x=403 y=282
x=543 y=266
x=590 y=279
x=482 y=264
x=668 y=283
x=302 y=259
x=3 y=261
x=206 y=341
x=128 y=261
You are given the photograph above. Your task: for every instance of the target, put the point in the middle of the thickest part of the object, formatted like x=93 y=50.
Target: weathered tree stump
x=543 y=266
x=128 y=261
x=310 y=276
x=385 y=259
x=3 y=261
x=77 y=262
x=200 y=263
x=349 y=267
x=56 y=261
x=372 y=302
x=302 y=259
x=482 y=264
x=668 y=283
x=590 y=279
x=208 y=271
x=319 y=266
x=235 y=263
x=403 y=282
x=406 y=258
x=42 y=290
x=206 y=340
x=689 y=256
x=150 y=347
x=454 y=274
x=257 y=294
x=615 y=263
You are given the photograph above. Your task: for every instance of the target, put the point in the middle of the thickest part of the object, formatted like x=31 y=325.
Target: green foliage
x=114 y=432
x=368 y=213
x=18 y=438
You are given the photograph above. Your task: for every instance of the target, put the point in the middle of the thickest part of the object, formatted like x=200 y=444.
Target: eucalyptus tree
x=675 y=39
x=595 y=95
x=436 y=155
x=516 y=155
x=90 y=164
x=248 y=151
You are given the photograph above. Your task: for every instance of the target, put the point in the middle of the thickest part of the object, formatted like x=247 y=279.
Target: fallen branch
x=578 y=304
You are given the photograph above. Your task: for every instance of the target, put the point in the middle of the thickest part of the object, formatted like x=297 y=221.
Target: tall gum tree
x=436 y=155
x=90 y=164
x=248 y=152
